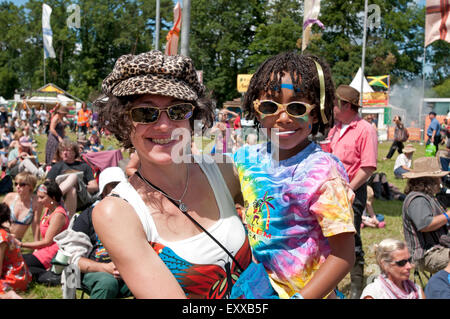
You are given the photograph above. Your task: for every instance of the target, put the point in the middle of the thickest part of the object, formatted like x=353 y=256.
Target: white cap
x=110 y=175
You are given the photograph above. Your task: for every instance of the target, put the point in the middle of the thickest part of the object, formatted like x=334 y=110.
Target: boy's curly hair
x=305 y=78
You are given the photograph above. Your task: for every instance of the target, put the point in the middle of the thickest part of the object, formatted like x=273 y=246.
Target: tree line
x=228 y=37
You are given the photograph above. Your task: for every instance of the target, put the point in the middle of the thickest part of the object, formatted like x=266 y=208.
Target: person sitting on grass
x=54 y=221
x=100 y=277
x=403 y=161
x=395 y=262
x=369 y=218
x=74 y=177
x=425 y=221
x=24 y=158
x=438 y=286
x=14 y=273
x=24 y=206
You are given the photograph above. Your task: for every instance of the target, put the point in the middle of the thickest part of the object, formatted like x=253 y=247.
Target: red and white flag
x=174 y=33
x=437 y=22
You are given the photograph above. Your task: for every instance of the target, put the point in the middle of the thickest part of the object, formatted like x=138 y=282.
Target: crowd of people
x=248 y=219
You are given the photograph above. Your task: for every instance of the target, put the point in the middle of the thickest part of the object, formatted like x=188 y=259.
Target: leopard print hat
x=154 y=73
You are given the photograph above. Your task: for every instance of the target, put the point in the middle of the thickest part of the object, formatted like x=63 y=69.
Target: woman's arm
x=36 y=219
x=56 y=224
x=121 y=232
x=335 y=267
x=52 y=129
x=3 y=247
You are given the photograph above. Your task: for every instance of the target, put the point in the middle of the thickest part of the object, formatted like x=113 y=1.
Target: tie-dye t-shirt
x=291 y=207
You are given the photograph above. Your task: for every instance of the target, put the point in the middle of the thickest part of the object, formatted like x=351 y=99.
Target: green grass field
x=392 y=211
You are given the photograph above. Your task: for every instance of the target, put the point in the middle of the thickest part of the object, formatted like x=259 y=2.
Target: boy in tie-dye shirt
x=298 y=203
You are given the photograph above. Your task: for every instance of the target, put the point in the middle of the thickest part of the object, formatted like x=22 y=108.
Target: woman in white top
x=394 y=260
x=146 y=224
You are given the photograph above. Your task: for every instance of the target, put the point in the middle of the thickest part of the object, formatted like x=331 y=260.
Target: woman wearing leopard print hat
x=154 y=226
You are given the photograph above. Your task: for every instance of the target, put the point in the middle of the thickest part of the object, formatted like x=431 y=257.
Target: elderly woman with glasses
x=24 y=206
x=394 y=260
x=172 y=229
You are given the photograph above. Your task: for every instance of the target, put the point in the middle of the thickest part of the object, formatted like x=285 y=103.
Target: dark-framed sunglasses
x=403 y=262
x=270 y=108
x=21 y=184
x=144 y=114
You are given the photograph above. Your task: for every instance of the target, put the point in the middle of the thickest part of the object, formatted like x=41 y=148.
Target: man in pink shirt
x=354 y=141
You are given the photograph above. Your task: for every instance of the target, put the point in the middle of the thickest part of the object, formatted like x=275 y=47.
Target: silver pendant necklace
x=182 y=206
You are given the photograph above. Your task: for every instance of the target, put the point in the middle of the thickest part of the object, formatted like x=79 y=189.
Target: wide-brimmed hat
x=154 y=73
x=408 y=149
x=25 y=141
x=425 y=167
x=348 y=94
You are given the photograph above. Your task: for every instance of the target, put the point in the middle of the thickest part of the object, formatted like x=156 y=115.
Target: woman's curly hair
x=114 y=115
x=425 y=185
x=305 y=78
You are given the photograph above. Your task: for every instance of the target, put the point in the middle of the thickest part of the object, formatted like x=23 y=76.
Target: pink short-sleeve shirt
x=357 y=147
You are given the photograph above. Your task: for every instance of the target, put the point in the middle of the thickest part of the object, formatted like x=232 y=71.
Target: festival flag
x=174 y=33
x=382 y=81
x=310 y=17
x=47 y=34
x=437 y=22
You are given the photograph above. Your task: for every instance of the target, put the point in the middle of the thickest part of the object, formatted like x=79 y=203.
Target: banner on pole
x=243 y=80
x=310 y=17
x=437 y=21
x=174 y=34
x=47 y=34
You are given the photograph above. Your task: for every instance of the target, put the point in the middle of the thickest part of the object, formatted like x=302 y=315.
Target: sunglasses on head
x=149 y=114
x=403 y=262
x=294 y=109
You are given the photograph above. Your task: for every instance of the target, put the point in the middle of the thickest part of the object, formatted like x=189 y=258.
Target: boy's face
x=290 y=134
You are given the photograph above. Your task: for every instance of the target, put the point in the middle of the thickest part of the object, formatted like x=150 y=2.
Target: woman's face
x=395 y=272
x=44 y=199
x=292 y=132
x=22 y=187
x=154 y=141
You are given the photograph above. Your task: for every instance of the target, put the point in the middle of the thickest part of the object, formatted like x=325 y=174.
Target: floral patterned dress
x=15 y=273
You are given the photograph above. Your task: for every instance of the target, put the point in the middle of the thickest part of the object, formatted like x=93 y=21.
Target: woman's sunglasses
x=151 y=114
x=294 y=109
x=403 y=262
x=21 y=184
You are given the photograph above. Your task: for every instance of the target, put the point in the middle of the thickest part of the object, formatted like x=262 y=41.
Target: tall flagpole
x=422 y=128
x=45 y=81
x=158 y=18
x=185 y=27
x=361 y=92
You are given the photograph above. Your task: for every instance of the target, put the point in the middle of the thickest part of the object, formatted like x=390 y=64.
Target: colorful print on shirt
x=212 y=281
x=290 y=209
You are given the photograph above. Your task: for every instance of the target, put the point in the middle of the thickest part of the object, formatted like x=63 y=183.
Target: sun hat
x=110 y=175
x=25 y=141
x=425 y=167
x=154 y=73
x=408 y=149
x=348 y=94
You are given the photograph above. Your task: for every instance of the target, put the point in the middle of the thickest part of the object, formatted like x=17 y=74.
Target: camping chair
x=98 y=161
